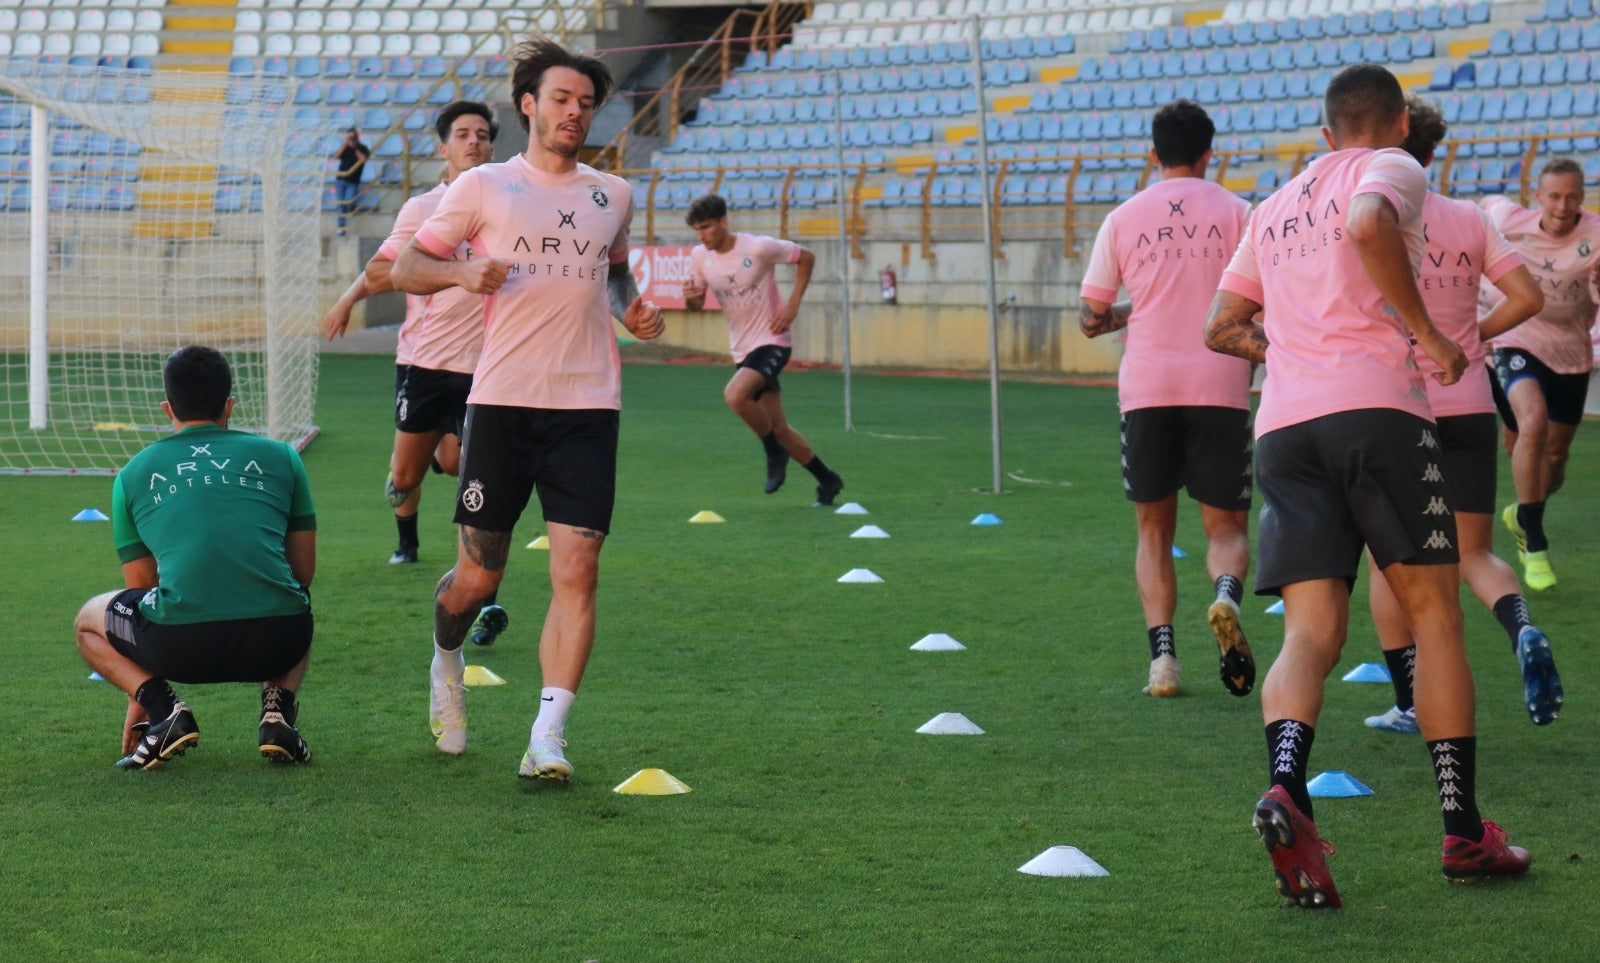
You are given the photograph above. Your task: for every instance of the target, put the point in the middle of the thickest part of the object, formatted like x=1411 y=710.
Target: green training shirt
x=213 y=506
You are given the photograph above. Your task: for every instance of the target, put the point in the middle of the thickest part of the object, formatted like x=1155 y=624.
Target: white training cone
x=937 y=642
x=1062 y=861
x=869 y=531
x=859 y=575
x=950 y=724
x=850 y=508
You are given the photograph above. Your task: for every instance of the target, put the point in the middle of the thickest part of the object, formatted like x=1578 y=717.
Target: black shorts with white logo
x=569 y=456
x=1564 y=394
x=1203 y=449
x=768 y=360
x=236 y=650
x=430 y=400
x=1471 y=445
x=1373 y=477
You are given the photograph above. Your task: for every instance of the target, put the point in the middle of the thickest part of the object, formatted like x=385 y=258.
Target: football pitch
x=821 y=825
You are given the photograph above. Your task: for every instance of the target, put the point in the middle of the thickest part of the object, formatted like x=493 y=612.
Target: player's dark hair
x=1561 y=165
x=536 y=55
x=460 y=108
x=1428 y=128
x=711 y=207
x=1362 y=99
x=1181 y=133
x=198 y=382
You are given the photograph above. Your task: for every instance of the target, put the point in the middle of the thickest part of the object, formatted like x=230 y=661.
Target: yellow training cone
x=543 y=541
x=706 y=517
x=477 y=675
x=651 y=782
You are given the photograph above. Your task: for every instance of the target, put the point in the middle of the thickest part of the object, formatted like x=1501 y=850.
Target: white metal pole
x=975 y=32
x=38 y=262
x=844 y=248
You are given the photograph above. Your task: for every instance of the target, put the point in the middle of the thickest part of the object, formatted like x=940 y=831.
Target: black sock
x=276 y=698
x=1288 y=755
x=1231 y=585
x=1531 y=517
x=1512 y=611
x=1161 y=642
x=770 y=442
x=407 y=524
x=492 y=596
x=1455 y=768
x=156 y=698
x=817 y=468
x=1402 y=672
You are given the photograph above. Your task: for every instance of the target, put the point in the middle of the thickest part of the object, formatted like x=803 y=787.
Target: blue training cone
x=1276 y=608
x=1369 y=672
x=1336 y=784
x=96 y=677
x=987 y=519
x=1179 y=553
x=91 y=515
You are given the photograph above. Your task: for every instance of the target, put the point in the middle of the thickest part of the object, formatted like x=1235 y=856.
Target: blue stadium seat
x=275 y=67
x=1455 y=16
x=369 y=67
x=242 y=65
x=309 y=92
x=405 y=92
x=1494 y=107
x=1443 y=78
x=1466 y=74
x=336 y=67
x=307 y=67
x=1591 y=36
x=1547 y=39
x=1561 y=103
x=1523 y=41
x=1499 y=41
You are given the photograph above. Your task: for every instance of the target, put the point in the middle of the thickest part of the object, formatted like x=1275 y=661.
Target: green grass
x=821 y=827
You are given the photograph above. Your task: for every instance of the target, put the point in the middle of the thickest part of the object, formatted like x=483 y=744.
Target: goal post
x=145 y=210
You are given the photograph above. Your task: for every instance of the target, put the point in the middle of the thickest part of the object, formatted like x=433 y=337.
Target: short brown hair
x=1361 y=99
x=711 y=207
x=536 y=55
x=1561 y=165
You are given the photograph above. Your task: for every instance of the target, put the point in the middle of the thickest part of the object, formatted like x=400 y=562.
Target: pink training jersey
x=1559 y=334
x=548 y=339
x=1334 y=344
x=1463 y=247
x=744 y=283
x=1168 y=246
x=442 y=331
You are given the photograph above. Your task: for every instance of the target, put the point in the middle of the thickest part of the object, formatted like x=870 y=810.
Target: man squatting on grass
x=1463 y=246
x=1347 y=457
x=437 y=349
x=739 y=268
x=550 y=237
x=1185 y=410
x=218 y=541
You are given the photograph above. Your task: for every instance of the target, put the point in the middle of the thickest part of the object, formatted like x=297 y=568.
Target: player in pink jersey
x=1542 y=367
x=550 y=242
x=1462 y=248
x=1185 y=409
x=739 y=268
x=1346 y=457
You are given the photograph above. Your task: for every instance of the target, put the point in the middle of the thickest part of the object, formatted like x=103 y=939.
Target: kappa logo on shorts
x=1436 y=506
x=404 y=406
x=1437 y=540
x=149 y=598
x=472 y=496
x=1428 y=441
x=1431 y=473
x=1517 y=362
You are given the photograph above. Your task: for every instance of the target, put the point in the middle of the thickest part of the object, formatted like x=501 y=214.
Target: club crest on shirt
x=1583 y=248
x=598 y=196
x=472 y=496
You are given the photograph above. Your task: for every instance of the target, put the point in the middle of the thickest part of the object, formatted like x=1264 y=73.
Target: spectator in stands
x=1347 y=457
x=739 y=268
x=352 y=156
x=1542 y=367
x=1185 y=409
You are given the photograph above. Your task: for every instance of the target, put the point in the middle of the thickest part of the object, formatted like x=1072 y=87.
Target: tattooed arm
x=1097 y=317
x=642 y=318
x=1231 y=328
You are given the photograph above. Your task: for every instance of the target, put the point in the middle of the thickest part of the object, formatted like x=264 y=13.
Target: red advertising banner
x=660 y=272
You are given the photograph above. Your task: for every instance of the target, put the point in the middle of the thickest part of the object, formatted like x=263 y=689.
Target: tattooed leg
x=480 y=566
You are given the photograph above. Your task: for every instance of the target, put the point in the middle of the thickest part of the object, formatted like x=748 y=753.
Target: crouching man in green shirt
x=217 y=537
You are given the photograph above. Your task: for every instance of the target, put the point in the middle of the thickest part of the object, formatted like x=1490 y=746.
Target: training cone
x=850 y=508
x=477 y=675
x=1276 y=608
x=1179 y=553
x=869 y=531
x=950 y=724
x=1062 y=861
x=937 y=642
x=860 y=575
x=96 y=677
x=651 y=782
x=987 y=519
x=1336 y=784
x=706 y=518
x=1368 y=672
x=542 y=542
x=91 y=515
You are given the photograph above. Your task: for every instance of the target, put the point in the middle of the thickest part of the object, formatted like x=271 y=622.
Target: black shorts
x=1471 y=445
x=1564 y=394
x=1330 y=485
x=769 y=360
x=429 y=400
x=1205 y=450
x=569 y=455
x=237 y=650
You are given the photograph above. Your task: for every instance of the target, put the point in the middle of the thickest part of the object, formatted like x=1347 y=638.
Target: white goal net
x=144 y=210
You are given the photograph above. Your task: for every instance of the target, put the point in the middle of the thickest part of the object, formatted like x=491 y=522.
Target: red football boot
x=1297 y=851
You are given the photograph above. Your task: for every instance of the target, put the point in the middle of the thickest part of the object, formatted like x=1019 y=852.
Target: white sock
x=554 y=704
x=450 y=665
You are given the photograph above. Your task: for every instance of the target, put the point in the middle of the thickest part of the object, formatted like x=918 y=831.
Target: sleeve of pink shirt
x=1499 y=257
x=619 y=244
x=457 y=218
x=1397 y=177
x=779 y=251
x=1101 y=279
x=697 y=264
x=1243 y=274
x=405 y=228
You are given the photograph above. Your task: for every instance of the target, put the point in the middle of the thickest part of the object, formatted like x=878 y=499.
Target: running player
x=1185 y=410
